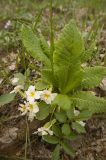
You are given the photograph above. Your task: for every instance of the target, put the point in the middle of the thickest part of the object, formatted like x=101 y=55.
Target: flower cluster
x=32 y=96
x=46 y=95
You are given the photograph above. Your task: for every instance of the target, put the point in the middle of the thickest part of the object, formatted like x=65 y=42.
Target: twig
x=26 y=140
x=29 y=142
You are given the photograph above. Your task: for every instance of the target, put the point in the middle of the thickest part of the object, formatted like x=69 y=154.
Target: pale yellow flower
x=33 y=109
x=29 y=109
x=47 y=96
x=23 y=108
x=17 y=89
x=44 y=131
x=32 y=95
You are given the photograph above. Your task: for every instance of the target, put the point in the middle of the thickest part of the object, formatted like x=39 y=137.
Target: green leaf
x=79 y=128
x=68 y=149
x=86 y=100
x=66 y=129
x=51 y=139
x=47 y=75
x=57 y=130
x=38 y=49
x=50 y=123
x=93 y=76
x=74 y=78
x=44 y=46
x=56 y=153
x=41 y=85
x=63 y=101
x=66 y=50
x=61 y=116
x=84 y=115
x=88 y=54
x=6 y=98
x=67 y=58
x=72 y=136
x=44 y=111
x=70 y=113
x=32 y=45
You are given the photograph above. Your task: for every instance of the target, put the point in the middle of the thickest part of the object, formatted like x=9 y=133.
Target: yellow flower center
x=46 y=96
x=32 y=94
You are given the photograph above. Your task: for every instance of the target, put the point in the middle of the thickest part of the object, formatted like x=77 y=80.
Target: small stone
x=103 y=84
x=9 y=135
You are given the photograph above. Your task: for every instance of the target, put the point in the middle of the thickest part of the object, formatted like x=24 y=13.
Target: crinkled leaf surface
x=92 y=76
x=67 y=57
x=33 y=46
x=86 y=100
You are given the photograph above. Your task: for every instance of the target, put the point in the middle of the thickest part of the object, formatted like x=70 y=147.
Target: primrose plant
x=63 y=95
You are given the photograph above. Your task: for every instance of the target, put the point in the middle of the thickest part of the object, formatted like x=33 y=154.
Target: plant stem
x=52 y=39
x=51 y=32
x=51 y=26
x=37 y=20
x=26 y=140
x=29 y=142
